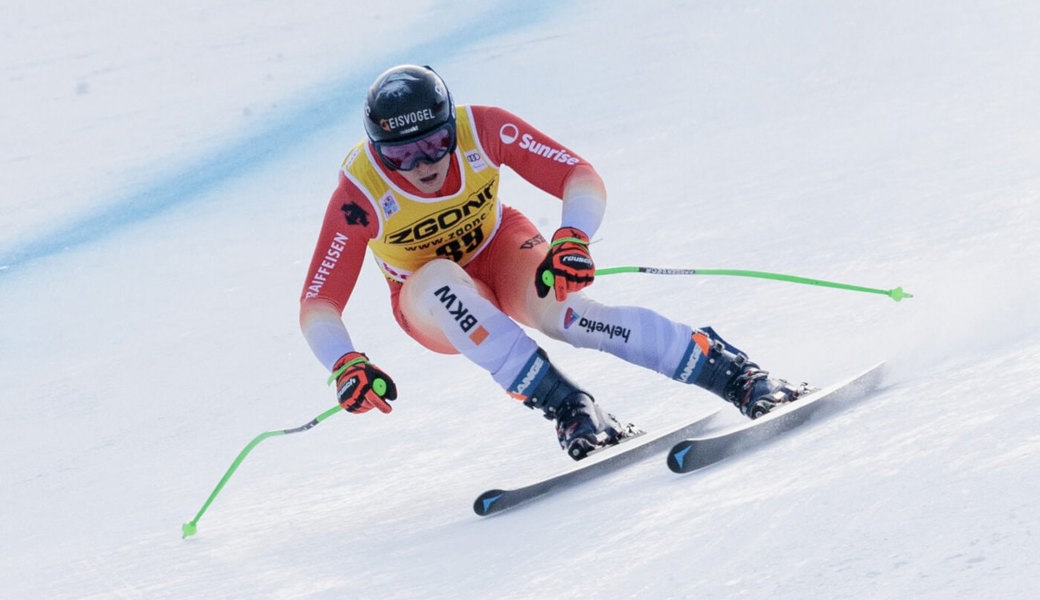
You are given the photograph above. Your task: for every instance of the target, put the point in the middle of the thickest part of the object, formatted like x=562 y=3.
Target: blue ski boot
x=581 y=426
x=726 y=372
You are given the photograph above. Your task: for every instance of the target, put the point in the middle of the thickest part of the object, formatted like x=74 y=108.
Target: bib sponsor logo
x=475 y=160
x=389 y=205
x=450 y=222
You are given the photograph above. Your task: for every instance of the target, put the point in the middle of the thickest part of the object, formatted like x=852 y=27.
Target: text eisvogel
x=411 y=118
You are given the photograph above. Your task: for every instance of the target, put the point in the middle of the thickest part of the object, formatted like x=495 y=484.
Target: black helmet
x=406 y=102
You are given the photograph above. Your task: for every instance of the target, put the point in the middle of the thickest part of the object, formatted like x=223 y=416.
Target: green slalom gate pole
x=896 y=294
x=189 y=528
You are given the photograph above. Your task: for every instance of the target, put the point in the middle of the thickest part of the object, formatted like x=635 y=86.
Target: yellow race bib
x=414 y=230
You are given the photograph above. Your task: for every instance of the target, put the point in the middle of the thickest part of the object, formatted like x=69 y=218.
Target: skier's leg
x=446 y=310
x=635 y=334
x=644 y=337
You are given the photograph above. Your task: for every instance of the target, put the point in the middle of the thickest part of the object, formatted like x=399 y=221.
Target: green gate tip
x=898 y=294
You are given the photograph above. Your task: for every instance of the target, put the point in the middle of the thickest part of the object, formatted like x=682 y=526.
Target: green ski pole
x=896 y=294
x=189 y=528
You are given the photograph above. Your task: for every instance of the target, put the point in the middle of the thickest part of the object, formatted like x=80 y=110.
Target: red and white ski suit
x=460 y=265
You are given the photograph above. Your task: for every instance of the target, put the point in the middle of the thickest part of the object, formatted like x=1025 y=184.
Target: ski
x=595 y=465
x=697 y=453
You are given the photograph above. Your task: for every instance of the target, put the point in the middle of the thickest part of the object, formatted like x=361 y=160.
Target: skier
x=465 y=271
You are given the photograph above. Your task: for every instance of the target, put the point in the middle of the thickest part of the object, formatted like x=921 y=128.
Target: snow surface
x=165 y=167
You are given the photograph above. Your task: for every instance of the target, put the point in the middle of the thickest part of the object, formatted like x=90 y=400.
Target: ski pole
x=896 y=294
x=189 y=528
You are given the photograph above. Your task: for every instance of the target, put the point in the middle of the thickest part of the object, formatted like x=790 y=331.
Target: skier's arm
x=548 y=165
x=545 y=163
x=333 y=272
x=584 y=200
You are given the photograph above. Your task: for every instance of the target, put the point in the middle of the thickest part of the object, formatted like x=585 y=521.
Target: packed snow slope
x=165 y=167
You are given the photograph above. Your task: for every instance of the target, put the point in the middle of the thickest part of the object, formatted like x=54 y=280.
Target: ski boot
x=755 y=393
x=727 y=372
x=581 y=426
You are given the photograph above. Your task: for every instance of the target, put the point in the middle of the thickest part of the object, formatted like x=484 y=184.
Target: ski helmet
x=405 y=103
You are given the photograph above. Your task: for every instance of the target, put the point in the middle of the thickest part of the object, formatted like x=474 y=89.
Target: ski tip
x=486 y=503
x=677 y=457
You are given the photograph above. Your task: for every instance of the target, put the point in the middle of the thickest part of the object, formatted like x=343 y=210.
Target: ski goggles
x=405 y=156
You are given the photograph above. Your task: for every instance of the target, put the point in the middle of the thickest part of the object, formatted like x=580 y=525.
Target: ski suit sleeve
x=545 y=163
x=333 y=272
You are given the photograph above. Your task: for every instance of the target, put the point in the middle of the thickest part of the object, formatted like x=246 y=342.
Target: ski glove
x=568 y=266
x=362 y=386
